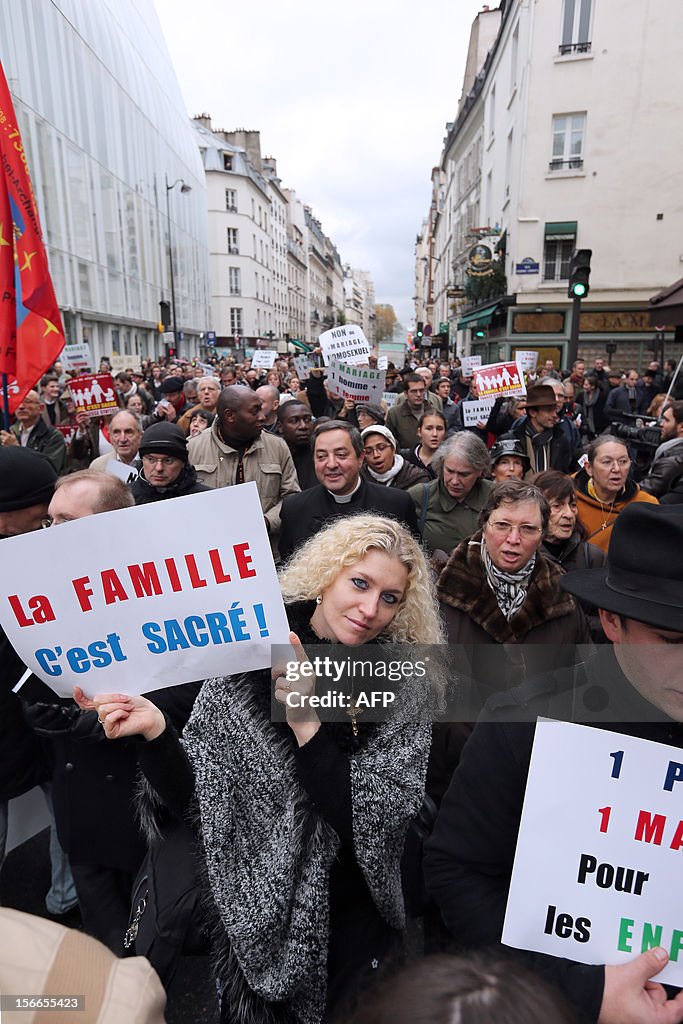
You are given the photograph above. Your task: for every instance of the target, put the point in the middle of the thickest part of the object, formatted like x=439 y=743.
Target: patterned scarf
x=509 y=587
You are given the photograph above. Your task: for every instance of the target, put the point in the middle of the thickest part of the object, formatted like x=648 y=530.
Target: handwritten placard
x=346 y=344
x=263 y=359
x=357 y=383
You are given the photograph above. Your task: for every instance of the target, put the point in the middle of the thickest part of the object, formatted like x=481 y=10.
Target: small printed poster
x=500 y=379
x=94 y=394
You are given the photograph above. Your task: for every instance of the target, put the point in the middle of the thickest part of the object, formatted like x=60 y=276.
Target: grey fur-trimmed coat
x=267 y=852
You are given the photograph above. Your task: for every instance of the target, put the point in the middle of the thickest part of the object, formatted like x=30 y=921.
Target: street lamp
x=184 y=188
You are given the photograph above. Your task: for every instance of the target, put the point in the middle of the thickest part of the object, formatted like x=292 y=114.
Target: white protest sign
x=120 y=363
x=346 y=344
x=76 y=357
x=122 y=470
x=357 y=383
x=597 y=866
x=500 y=379
x=382 y=362
x=207 y=369
x=389 y=398
x=131 y=601
x=477 y=411
x=468 y=364
x=263 y=359
x=527 y=359
x=303 y=366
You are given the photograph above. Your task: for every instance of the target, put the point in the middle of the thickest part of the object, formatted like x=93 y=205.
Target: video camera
x=643 y=437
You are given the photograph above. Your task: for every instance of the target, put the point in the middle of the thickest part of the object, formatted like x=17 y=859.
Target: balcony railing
x=566 y=48
x=573 y=164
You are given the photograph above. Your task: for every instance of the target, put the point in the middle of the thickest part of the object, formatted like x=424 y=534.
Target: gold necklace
x=353 y=711
x=593 y=493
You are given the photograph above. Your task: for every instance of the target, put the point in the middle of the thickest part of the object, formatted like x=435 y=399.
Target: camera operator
x=667 y=465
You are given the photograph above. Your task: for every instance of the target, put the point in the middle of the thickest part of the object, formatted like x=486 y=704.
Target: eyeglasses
x=502 y=528
x=164 y=460
x=622 y=463
x=46 y=523
x=379 y=449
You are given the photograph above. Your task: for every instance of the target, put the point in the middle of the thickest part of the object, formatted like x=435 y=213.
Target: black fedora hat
x=643 y=578
x=509 y=446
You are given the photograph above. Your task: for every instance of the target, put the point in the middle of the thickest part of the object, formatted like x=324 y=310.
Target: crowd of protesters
x=388 y=523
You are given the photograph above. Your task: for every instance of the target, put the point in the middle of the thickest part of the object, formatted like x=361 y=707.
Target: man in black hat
x=543 y=438
x=172 y=404
x=633 y=686
x=27 y=483
x=166 y=472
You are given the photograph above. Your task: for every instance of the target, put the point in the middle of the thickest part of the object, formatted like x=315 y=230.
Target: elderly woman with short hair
x=498 y=589
x=448 y=508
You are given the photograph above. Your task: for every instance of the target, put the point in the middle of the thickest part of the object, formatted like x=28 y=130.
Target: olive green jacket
x=447 y=521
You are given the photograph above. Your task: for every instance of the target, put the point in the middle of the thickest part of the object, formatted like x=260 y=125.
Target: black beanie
x=26 y=478
x=164 y=439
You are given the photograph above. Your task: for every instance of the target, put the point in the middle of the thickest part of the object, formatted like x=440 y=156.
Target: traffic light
x=579 y=274
x=480 y=332
x=419 y=333
x=165 y=313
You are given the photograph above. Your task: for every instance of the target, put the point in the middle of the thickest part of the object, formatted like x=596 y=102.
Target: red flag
x=31 y=332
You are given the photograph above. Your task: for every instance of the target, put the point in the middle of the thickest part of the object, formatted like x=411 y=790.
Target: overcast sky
x=351 y=98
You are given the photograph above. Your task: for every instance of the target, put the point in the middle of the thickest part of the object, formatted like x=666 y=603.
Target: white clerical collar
x=344 y=499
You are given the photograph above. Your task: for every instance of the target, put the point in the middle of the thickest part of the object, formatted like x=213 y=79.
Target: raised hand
x=294 y=692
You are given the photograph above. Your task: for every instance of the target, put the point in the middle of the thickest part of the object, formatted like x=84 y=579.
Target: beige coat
x=268 y=462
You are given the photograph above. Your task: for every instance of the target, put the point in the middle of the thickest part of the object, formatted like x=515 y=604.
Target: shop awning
x=478 y=318
x=561 y=229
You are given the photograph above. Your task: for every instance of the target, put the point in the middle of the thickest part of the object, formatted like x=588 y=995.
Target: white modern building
x=115 y=168
x=566 y=138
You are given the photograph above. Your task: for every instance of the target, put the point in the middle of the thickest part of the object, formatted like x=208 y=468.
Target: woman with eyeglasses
x=603 y=488
x=383 y=465
x=501 y=599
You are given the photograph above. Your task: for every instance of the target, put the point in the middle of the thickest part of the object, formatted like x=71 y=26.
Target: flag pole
x=5 y=403
x=673 y=381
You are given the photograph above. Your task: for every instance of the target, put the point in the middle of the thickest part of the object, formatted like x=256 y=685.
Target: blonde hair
x=342 y=543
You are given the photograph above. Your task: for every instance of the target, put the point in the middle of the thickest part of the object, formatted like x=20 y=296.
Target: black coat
x=304 y=514
x=561 y=454
x=469 y=857
x=23 y=761
x=94 y=779
x=187 y=483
